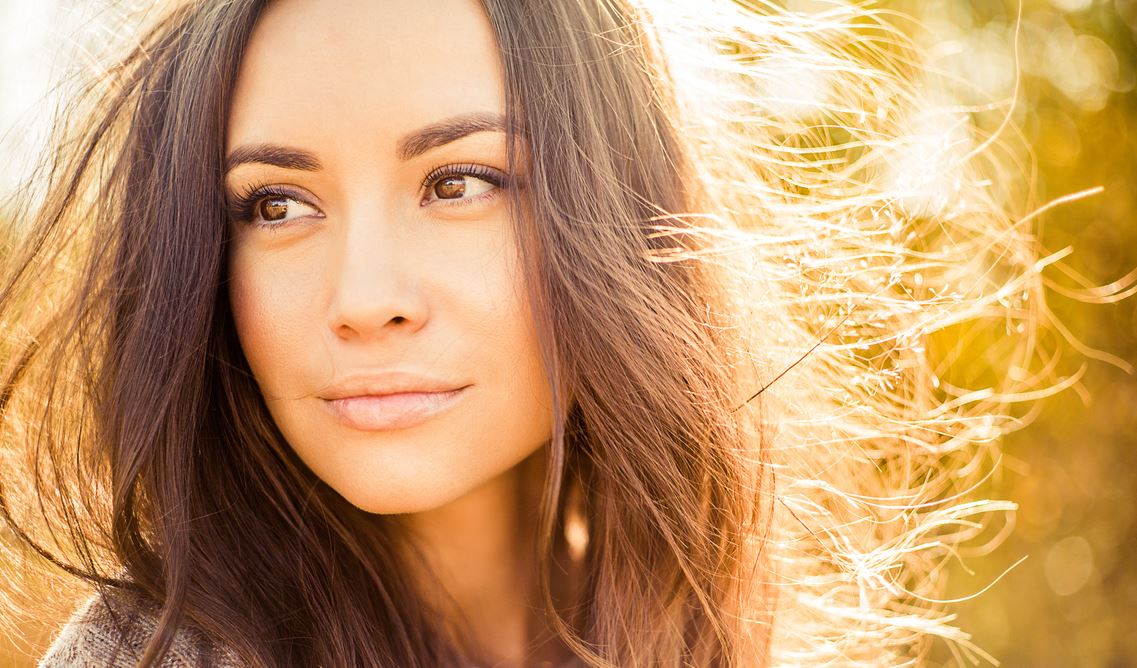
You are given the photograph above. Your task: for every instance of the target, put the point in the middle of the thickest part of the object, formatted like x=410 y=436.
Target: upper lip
x=394 y=381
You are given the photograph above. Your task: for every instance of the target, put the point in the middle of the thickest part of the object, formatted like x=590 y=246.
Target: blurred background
x=1073 y=471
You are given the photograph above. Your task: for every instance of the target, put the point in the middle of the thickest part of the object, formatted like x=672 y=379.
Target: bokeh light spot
x=1069 y=565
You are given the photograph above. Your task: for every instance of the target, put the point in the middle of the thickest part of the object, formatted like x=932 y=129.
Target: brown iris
x=451 y=187
x=273 y=208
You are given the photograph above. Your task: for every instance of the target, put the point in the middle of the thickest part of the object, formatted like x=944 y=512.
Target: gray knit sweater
x=92 y=637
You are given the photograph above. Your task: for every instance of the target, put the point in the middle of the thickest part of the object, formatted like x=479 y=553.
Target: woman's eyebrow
x=444 y=132
x=413 y=144
x=272 y=154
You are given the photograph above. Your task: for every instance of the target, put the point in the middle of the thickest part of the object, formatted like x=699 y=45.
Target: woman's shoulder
x=112 y=631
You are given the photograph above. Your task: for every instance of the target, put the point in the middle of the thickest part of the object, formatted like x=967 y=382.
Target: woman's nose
x=374 y=279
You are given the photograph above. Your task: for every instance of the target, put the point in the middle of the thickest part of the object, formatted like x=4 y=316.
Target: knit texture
x=114 y=633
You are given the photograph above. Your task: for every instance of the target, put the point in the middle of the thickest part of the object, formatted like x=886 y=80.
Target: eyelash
x=494 y=177
x=242 y=206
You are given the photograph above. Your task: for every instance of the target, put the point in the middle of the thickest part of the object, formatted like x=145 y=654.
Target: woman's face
x=366 y=140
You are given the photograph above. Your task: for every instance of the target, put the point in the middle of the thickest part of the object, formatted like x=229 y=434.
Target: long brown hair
x=157 y=468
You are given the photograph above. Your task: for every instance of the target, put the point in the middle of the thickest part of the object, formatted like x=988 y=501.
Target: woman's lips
x=391 y=411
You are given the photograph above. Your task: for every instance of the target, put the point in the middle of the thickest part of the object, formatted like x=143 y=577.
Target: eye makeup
x=243 y=205
x=495 y=177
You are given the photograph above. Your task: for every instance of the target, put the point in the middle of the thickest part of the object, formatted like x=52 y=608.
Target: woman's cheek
x=267 y=307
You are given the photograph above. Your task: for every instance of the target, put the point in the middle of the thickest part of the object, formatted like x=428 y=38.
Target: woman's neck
x=480 y=548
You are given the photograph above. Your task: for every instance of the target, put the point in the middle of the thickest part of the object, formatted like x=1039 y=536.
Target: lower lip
x=392 y=411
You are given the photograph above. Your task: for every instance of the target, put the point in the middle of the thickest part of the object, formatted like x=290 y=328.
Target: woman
x=399 y=333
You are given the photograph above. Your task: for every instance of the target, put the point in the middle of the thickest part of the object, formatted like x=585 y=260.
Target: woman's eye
x=275 y=208
x=280 y=208
x=458 y=187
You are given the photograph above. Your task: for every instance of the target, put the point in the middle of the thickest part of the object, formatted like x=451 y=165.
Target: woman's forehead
x=362 y=73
